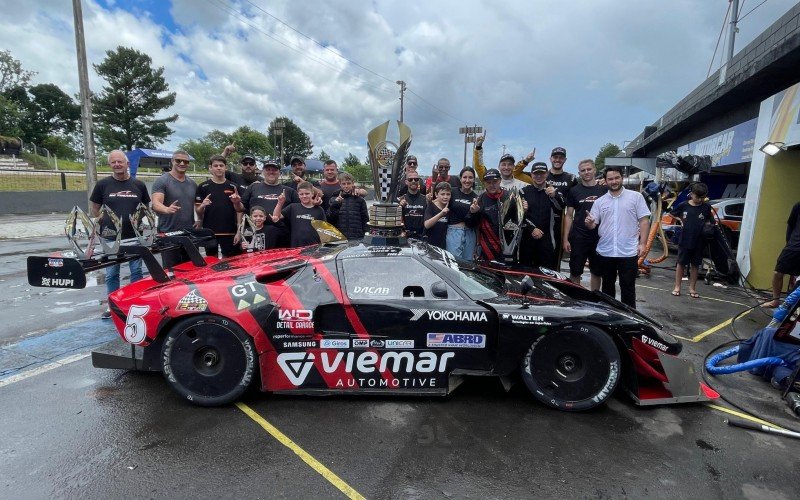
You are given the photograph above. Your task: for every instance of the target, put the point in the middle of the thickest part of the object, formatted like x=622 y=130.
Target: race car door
x=404 y=305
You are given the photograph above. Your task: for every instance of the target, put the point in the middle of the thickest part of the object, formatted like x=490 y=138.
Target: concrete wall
x=41 y=202
x=781 y=179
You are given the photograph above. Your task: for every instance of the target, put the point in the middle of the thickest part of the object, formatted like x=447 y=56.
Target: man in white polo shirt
x=624 y=221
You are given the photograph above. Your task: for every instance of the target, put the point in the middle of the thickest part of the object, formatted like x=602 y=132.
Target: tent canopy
x=159 y=158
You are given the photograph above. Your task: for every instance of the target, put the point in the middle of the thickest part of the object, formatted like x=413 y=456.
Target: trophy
x=109 y=235
x=144 y=225
x=248 y=232
x=387 y=160
x=81 y=231
x=512 y=215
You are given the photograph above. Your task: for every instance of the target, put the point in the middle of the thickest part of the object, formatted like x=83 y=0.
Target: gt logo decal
x=296 y=365
x=135 y=328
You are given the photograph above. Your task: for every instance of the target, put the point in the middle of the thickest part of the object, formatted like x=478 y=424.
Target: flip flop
x=694 y=295
x=676 y=293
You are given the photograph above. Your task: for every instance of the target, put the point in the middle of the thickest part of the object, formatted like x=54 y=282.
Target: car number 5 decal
x=135 y=327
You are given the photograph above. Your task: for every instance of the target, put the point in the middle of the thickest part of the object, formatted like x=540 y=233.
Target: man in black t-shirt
x=265 y=194
x=578 y=240
x=563 y=182
x=789 y=258
x=122 y=194
x=248 y=175
x=414 y=204
x=411 y=164
x=218 y=206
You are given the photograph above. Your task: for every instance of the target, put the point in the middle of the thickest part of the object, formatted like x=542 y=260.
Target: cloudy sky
x=534 y=73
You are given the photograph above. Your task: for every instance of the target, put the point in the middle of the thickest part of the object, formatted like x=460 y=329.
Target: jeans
x=461 y=242
x=112 y=274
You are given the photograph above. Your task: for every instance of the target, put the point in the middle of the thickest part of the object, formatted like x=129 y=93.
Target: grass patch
x=32 y=181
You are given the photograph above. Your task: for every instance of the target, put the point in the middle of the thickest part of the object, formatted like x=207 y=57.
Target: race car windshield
x=476 y=285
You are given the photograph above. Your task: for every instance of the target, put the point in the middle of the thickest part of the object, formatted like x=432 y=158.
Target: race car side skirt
x=364 y=392
x=120 y=356
x=664 y=379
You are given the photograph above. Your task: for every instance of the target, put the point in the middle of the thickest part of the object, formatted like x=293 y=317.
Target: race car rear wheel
x=573 y=369
x=208 y=360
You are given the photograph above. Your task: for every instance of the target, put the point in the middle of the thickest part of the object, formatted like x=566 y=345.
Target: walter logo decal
x=295 y=318
x=296 y=365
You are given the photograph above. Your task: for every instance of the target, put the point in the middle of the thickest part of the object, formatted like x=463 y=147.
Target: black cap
x=507 y=156
x=247 y=156
x=491 y=174
x=558 y=151
x=270 y=162
x=539 y=166
x=410 y=157
x=297 y=158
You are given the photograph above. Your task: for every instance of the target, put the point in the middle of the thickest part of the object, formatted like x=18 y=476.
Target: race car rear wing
x=69 y=269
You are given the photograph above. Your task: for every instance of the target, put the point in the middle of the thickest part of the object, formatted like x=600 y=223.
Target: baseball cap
x=297 y=158
x=247 y=156
x=269 y=162
x=491 y=175
x=558 y=151
x=539 y=166
x=410 y=157
x=507 y=156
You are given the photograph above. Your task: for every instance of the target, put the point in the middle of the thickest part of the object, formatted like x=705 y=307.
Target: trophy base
x=374 y=240
x=385 y=225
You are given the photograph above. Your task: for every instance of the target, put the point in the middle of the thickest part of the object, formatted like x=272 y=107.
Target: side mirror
x=439 y=290
x=527 y=285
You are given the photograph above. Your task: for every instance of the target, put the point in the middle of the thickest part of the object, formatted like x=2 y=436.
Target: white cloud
x=533 y=72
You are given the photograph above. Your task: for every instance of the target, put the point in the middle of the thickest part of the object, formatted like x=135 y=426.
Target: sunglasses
x=248 y=162
x=412 y=180
x=443 y=166
x=411 y=162
x=178 y=161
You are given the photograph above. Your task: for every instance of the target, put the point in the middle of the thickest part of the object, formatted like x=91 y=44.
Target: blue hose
x=712 y=368
x=781 y=312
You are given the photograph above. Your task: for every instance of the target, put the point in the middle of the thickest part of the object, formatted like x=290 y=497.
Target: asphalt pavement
x=70 y=430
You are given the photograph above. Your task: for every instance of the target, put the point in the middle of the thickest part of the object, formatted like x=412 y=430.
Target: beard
x=249 y=176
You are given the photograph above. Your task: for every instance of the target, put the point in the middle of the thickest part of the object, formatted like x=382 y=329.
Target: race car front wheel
x=209 y=360
x=573 y=369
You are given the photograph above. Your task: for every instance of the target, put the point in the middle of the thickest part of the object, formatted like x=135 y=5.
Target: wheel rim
x=208 y=360
x=569 y=366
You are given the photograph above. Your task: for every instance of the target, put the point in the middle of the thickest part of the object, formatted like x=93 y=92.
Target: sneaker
x=106 y=314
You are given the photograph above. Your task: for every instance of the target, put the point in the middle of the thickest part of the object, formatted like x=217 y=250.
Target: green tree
x=50 y=112
x=248 y=140
x=11 y=118
x=323 y=156
x=60 y=146
x=126 y=108
x=200 y=149
x=351 y=160
x=295 y=141
x=11 y=72
x=607 y=150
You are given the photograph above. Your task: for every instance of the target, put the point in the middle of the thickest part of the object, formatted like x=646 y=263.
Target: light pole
x=86 y=100
x=469 y=136
x=278 y=128
x=402 y=91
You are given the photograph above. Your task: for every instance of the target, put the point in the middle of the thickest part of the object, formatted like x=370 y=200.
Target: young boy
x=694 y=214
x=298 y=216
x=215 y=203
x=348 y=211
x=436 y=215
x=259 y=216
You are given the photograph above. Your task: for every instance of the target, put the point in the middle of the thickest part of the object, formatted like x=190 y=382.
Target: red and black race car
x=357 y=319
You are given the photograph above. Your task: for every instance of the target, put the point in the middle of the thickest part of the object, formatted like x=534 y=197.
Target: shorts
x=583 y=249
x=693 y=256
x=788 y=262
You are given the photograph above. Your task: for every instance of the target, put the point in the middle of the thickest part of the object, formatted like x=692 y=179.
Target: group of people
x=593 y=219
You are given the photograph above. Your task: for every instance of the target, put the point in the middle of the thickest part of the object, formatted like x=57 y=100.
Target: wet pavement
x=70 y=430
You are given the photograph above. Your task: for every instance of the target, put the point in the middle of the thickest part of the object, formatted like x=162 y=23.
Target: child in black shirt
x=259 y=216
x=298 y=216
x=694 y=214
x=436 y=215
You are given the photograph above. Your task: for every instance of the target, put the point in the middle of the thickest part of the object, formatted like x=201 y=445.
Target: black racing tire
x=572 y=369
x=209 y=360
